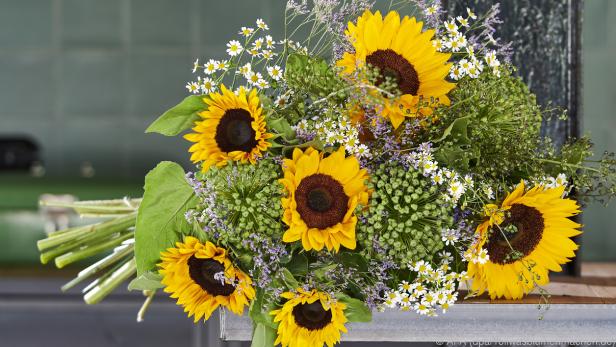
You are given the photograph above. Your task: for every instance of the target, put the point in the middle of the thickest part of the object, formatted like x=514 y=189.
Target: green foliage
x=146 y=281
x=247 y=202
x=313 y=75
x=356 y=310
x=406 y=215
x=160 y=221
x=263 y=336
x=492 y=129
x=179 y=118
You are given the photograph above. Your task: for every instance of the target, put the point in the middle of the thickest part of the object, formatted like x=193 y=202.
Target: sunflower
x=400 y=50
x=202 y=278
x=309 y=318
x=232 y=128
x=322 y=196
x=528 y=236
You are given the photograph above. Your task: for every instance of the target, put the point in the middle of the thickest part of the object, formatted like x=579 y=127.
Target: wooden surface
x=597 y=285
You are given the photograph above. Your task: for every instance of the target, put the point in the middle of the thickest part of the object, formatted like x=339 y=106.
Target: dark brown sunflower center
x=204 y=273
x=321 y=201
x=234 y=131
x=392 y=65
x=312 y=316
x=521 y=230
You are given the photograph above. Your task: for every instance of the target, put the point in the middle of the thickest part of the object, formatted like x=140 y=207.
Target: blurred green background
x=83 y=78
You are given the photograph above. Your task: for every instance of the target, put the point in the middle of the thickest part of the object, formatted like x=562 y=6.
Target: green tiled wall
x=85 y=77
x=599 y=98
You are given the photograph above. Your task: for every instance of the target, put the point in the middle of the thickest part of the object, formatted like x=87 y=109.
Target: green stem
x=100 y=291
x=87 y=252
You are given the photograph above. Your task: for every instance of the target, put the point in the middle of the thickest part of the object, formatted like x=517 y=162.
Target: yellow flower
x=400 y=50
x=496 y=214
x=533 y=238
x=201 y=278
x=232 y=128
x=322 y=196
x=309 y=319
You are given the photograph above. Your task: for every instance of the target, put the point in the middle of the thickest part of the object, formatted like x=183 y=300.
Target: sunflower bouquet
x=365 y=161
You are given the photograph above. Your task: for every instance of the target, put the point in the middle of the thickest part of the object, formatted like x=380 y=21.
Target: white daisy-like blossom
x=253 y=52
x=465 y=65
x=463 y=21
x=195 y=66
x=336 y=132
x=471 y=14
x=258 y=43
x=262 y=84
x=253 y=77
x=208 y=85
x=488 y=191
x=482 y=257
x=234 y=48
x=438 y=45
x=432 y=10
x=456 y=72
x=451 y=27
x=193 y=87
x=456 y=190
x=430 y=291
x=210 y=67
x=449 y=236
x=246 y=31
x=269 y=41
x=445 y=257
x=222 y=65
x=453 y=44
x=437 y=178
x=261 y=24
x=245 y=69
x=275 y=72
x=268 y=54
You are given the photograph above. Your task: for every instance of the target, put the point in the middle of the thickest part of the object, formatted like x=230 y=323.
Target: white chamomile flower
x=245 y=69
x=463 y=21
x=431 y=298
x=422 y=267
x=561 y=180
x=208 y=86
x=405 y=300
x=269 y=41
x=222 y=65
x=462 y=42
x=437 y=178
x=438 y=45
x=456 y=72
x=419 y=289
x=268 y=54
x=429 y=166
x=482 y=257
x=464 y=65
x=193 y=87
x=488 y=191
x=262 y=84
x=405 y=286
x=432 y=10
x=456 y=189
x=195 y=65
x=446 y=257
x=468 y=180
x=253 y=52
x=474 y=71
x=258 y=44
x=254 y=77
x=261 y=24
x=471 y=14
x=275 y=72
x=422 y=308
x=210 y=67
x=451 y=26
x=234 y=48
x=449 y=238
x=246 y=31
x=362 y=151
x=453 y=44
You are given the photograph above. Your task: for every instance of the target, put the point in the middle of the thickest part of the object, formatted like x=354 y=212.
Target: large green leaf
x=146 y=281
x=179 y=118
x=263 y=336
x=160 y=220
x=356 y=310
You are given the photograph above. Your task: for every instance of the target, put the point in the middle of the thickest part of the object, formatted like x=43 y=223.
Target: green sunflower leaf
x=178 y=118
x=160 y=220
x=260 y=312
x=263 y=336
x=356 y=310
x=146 y=281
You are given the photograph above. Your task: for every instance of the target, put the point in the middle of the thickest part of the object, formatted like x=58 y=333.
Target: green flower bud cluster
x=313 y=75
x=405 y=216
x=247 y=201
